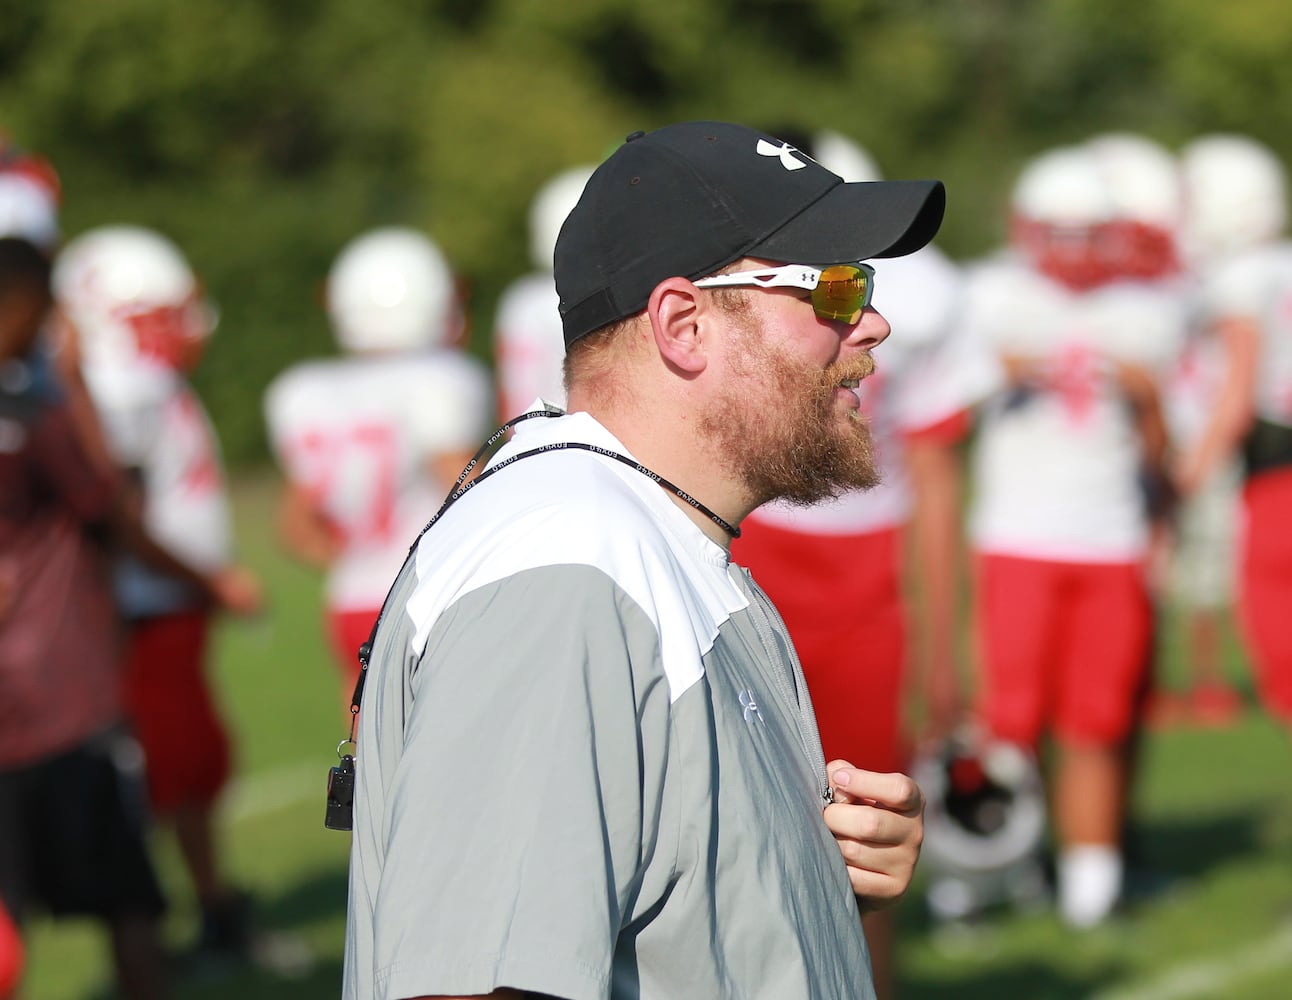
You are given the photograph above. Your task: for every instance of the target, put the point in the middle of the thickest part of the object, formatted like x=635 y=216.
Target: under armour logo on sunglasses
x=785 y=151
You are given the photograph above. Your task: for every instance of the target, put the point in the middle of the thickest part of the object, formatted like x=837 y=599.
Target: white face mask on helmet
x=132 y=297
x=1235 y=195
x=391 y=289
x=547 y=212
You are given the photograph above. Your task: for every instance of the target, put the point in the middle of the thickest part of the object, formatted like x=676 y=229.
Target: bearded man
x=588 y=764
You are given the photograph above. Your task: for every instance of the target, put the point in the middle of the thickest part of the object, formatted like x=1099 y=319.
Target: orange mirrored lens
x=841 y=293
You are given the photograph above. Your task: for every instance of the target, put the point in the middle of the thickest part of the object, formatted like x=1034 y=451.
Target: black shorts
x=73 y=834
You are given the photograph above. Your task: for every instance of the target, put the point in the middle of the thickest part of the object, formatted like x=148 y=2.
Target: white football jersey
x=359 y=434
x=925 y=372
x=1257 y=285
x=1057 y=462
x=529 y=344
x=157 y=427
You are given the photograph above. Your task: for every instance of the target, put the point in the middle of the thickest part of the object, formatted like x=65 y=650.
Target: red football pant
x=173 y=712
x=841 y=600
x=1265 y=586
x=1063 y=647
x=11 y=954
x=347 y=631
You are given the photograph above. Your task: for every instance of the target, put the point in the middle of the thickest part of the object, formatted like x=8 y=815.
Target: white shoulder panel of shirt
x=572 y=507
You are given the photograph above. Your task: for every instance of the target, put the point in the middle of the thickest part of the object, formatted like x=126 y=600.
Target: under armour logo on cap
x=785 y=151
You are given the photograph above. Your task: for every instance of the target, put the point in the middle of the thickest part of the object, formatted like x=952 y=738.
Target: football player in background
x=1060 y=523
x=863 y=550
x=370 y=443
x=1237 y=209
x=529 y=347
x=1195 y=534
x=137 y=320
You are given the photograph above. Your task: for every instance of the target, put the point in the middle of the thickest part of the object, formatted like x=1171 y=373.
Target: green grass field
x=1213 y=811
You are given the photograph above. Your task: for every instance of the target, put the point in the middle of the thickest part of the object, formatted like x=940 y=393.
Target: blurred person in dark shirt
x=71 y=790
x=73 y=838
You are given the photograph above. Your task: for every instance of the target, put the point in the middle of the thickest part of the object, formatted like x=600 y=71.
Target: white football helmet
x=1143 y=178
x=132 y=297
x=840 y=155
x=984 y=804
x=548 y=211
x=1235 y=192
x=391 y=289
x=1063 y=187
x=1062 y=208
x=29 y=210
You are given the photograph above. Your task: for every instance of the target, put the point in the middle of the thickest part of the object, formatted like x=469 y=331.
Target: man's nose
x=870 y=331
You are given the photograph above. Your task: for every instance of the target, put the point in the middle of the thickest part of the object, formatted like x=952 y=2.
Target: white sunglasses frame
x=788 y=276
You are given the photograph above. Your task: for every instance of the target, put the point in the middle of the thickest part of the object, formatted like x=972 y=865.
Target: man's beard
x=779 y=429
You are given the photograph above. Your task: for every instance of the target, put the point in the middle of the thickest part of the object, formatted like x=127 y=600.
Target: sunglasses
x=840 y=292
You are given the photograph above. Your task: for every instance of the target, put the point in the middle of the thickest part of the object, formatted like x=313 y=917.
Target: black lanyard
x=462 y=486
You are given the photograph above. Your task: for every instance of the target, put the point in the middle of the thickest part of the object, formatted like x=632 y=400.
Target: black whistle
x=340 y=796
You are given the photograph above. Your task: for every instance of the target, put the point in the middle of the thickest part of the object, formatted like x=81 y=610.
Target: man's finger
x=895 y=792
x=873 y=825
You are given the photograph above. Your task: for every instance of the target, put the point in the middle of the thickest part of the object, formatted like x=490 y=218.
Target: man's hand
x=878 y=822
x=942 y=706
x=237 y=590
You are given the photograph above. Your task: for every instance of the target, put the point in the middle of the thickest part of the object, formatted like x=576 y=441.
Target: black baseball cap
x=690 y=198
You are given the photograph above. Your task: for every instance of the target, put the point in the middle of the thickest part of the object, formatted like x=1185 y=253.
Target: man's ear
x=675 y=310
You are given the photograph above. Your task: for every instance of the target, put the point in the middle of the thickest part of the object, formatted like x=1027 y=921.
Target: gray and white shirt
x=586 y=763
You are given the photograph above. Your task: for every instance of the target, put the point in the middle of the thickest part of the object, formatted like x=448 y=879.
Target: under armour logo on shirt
x=785 y=151
x=750 y=706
